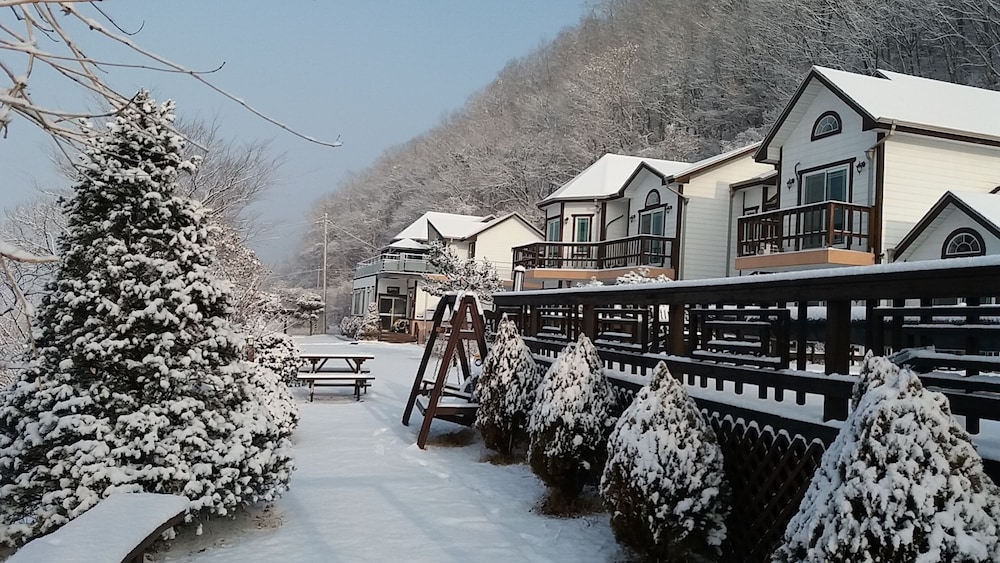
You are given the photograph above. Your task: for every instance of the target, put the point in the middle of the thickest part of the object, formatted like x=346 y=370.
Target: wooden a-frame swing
x=466 y=323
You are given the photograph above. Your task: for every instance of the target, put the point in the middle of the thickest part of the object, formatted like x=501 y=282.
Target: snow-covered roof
x=608 y=177
x=450 y=225
x=892 y=98
x=408 y=244
x=762 y=178
x=705 y=164
x=484 y=226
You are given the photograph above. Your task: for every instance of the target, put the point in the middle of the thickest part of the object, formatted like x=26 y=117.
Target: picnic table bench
x=351 y=373
x=118 y=529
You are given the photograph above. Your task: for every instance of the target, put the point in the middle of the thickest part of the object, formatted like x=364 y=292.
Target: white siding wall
x=801 y=153
x=705 y=229
x=617 y=219
x=929 y=246
x=495 y=244
x=918 y=170
x=637 y=191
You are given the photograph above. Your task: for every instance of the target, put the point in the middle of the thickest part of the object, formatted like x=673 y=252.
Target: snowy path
x=363 y=491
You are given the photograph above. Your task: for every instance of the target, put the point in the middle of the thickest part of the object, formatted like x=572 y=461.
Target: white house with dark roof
x=626 y=212
x=392 y=279
x=859 y=160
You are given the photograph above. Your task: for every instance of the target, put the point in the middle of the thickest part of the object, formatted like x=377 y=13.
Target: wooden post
x=874 y=335
x=972 y=340
x=838 y=353
x=676 y=345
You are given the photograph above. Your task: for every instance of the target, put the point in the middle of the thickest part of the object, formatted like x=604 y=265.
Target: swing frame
x=467 y=323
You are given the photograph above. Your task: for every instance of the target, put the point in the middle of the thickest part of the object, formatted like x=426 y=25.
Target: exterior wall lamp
x=860 y=166
x=790 y=183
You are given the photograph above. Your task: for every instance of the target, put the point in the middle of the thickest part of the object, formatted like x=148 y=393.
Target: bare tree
x=48 y=34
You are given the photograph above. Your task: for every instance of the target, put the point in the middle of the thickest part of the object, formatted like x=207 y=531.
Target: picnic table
x=351 y=373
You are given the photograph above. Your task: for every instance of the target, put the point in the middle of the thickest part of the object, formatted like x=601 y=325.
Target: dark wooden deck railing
x=728 y=337
x=728 y=329
x=634 y=251
x=830 y=224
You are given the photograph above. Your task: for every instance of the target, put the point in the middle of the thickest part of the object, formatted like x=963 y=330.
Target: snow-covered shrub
x=139 y=385
x=571 y=420
x=506 y=391
x=902 y=482
x=278 y=352
x=371 y=324
x=664 y=481
x=276 y=398
x=634 y=277
x=350 y=325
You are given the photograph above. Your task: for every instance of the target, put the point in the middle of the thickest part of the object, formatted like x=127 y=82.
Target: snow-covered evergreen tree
x=139 y=385
x=350 y=325
x=571 y=420
x=506 y=391
x=902 y=482
x=462 y=275
x=371 y=324
x=664 y=481
x=278 y=352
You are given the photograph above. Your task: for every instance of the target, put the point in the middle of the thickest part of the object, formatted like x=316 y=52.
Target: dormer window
x=827 y=124
x=963 y=242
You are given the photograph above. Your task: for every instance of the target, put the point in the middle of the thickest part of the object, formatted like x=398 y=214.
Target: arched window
x=652 y=199
x=827 y=124
x=963 y=242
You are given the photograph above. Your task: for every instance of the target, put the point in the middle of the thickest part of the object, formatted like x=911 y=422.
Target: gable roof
x=407 y=244
x=706 y=164
x=450 y=225
x=982 y=208
x=485 y=226
x=891 y=99
x=608 y=177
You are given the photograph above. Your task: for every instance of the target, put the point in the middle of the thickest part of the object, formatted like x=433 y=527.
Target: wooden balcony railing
x=634 y=251
x=830 y=224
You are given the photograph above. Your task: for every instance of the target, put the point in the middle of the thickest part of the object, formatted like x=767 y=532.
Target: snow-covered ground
x=363 y=491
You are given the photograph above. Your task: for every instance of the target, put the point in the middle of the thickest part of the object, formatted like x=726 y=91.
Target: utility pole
x=326 y=241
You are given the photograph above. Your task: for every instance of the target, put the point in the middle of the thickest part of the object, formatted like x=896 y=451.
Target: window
x=827 y=124
x=472 y=250
x=830 y=184
x=552 y=233
x=581 y=229
x=770 y=198
x=652 y=198
x=824 y=185
x=963 y=242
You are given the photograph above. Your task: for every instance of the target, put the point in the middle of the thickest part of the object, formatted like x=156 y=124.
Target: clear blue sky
x=374 y=73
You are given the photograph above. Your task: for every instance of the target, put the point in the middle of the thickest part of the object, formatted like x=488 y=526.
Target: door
x=828 y=185
x=652 y=250
x=391 y=310
x=553 y=227
x=581 y=233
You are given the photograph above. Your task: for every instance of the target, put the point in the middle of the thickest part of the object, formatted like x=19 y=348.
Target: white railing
x=403 y=263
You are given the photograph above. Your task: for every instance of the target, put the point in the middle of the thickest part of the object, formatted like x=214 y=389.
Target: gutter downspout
x=683 y=200
x=873 y=194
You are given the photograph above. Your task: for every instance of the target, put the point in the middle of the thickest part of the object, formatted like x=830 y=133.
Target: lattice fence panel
x=769 y=473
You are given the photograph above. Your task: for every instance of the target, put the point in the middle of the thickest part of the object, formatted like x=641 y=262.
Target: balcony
x=395 y=263
x=624 y=253
x=830 y=233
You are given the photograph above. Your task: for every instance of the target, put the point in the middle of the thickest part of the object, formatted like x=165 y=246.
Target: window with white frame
x=963 y=242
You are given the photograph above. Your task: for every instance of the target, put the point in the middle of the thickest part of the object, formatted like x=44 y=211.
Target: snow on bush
x=350 y=325
x=451 y=273
x=902 y=482
x=664 y=481
x=278 y=352
x=571 y=420
x=139 y=385
x=506 y=391
x=371 y=324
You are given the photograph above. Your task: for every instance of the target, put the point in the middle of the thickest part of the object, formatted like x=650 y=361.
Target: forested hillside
x=674 y=79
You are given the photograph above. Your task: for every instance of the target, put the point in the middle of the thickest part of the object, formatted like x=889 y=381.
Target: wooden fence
x=727 y=339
